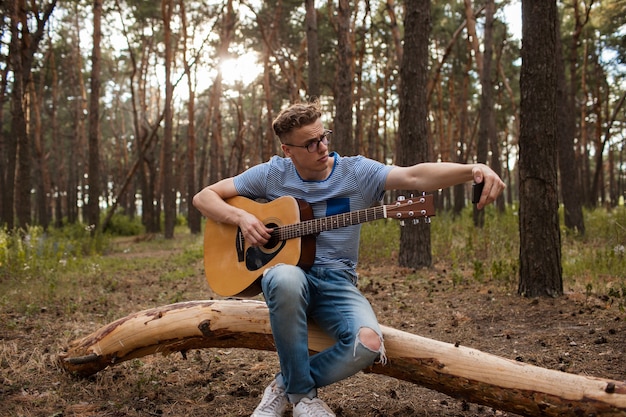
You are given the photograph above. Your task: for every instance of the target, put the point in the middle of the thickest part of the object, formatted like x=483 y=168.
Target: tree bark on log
x=458 y=371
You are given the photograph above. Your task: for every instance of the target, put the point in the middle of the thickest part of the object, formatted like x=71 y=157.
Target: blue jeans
x=331 y=299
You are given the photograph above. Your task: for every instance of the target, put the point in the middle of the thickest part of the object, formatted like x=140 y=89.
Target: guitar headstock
x=413 y=208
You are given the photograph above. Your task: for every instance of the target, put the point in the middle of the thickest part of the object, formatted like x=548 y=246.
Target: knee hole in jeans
x=373 y=342
x=370 y=339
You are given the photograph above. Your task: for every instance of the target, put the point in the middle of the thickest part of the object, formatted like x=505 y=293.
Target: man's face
x=308 y=149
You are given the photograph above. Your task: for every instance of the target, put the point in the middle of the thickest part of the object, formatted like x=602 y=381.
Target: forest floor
x=579 y=333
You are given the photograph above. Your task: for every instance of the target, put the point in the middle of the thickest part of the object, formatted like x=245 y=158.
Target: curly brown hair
x=295 y=116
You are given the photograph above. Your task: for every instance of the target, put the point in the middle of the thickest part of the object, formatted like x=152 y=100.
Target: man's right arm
x=210 y=201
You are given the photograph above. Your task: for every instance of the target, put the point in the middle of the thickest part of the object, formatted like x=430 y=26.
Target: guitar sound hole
x=273 y=241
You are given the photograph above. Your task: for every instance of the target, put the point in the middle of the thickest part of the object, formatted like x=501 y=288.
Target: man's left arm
x=431 y=176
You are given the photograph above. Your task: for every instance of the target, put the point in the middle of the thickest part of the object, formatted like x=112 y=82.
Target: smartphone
x=477 y=190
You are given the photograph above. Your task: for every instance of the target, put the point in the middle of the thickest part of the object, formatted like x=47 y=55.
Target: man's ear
x=285 y=149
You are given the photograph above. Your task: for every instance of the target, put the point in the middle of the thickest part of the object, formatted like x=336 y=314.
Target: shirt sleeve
x=252 y=183
x=372 y=176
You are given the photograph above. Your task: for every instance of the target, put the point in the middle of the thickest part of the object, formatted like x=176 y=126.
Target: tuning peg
x=402 y=223
x=416 y=221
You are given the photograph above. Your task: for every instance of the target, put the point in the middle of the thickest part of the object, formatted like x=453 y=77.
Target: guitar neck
x=315 y=226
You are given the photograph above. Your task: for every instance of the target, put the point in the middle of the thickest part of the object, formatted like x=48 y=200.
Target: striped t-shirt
x=355 y=183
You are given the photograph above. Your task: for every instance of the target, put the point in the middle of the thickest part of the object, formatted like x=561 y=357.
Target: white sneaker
x=273 y=403
x=312 y=408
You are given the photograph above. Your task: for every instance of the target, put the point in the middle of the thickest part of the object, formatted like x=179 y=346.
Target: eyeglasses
x=314 y=144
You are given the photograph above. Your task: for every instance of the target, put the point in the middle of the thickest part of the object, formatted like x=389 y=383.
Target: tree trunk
x=268 y=147
x=540 y=239
x=143 y=135
x=76 y=187
x=598 y=174
x=312 y=49
x=464 y=142
x=458 y=371
x=486 y=129
x=6 y=197
x=621 y=189
x=217 y=169
x=93 y=208
x=574 y=185
x=415 y=248
x=269 y=33
x=473 y=36
x=23 y=46
x=167 y=167
x=504 y=79
x=344 y=82
x=236 y=160
x=18 y=59
x=194 y=218
x=41 y=171
x=395 y=30
x=569 y=165
x=361 y=143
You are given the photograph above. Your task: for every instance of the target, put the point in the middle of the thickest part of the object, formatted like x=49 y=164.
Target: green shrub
x=124 y=225
x=37 y=266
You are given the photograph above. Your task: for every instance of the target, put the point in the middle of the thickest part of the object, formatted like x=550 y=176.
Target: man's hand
x=492 y=184
x=253 y=230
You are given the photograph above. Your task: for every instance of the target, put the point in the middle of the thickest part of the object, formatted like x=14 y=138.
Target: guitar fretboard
x=314 y=226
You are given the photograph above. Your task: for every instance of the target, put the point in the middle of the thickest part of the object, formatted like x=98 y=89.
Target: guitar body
x=227 y=253
x=234 y=268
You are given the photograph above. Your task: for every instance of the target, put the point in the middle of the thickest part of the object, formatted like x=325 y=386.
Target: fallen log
x=458 y=371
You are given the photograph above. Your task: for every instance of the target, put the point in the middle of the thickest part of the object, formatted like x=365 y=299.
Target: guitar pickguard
x=257 y=258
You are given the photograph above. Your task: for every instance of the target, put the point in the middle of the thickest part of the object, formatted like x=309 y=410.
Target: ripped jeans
x=331 y=299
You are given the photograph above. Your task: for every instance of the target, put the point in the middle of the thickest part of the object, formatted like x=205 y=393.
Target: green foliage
x=598 y=257
x=595 y=262
x=64 y=268
x=379 y=241
x=491 y=252
x=124 y=225
x=35 y=265
x=33 y=251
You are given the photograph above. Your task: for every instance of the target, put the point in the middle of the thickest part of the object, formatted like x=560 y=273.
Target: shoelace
x=315 y=408
x=274 y=402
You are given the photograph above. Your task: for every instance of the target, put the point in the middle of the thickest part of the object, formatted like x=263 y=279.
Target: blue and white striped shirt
x=355 y=183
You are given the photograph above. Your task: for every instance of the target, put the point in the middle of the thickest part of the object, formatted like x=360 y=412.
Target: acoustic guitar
x=234 y=267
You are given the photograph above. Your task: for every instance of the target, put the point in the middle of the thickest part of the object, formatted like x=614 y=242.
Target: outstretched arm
x=431 y=176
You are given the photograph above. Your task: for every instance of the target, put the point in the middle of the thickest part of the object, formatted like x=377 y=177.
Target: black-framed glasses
x=314 y=144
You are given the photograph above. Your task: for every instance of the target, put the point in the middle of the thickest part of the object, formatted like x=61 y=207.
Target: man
x=327 y=293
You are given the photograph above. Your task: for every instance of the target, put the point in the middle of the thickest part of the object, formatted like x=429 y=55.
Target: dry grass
x=583 y=332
